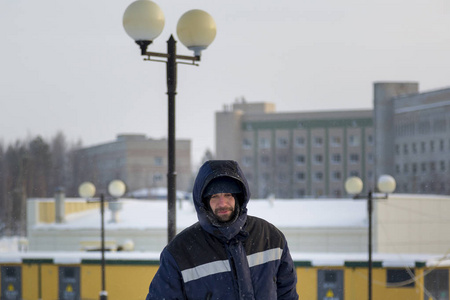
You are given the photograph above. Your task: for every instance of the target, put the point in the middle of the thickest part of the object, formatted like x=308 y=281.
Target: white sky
x=69 y=65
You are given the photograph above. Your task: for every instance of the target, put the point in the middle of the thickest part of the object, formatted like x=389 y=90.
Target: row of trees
x=33 y=168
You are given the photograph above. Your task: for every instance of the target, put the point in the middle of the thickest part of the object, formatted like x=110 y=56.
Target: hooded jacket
x=247 y=259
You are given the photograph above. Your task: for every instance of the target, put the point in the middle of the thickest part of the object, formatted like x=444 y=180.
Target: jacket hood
x=210 y=170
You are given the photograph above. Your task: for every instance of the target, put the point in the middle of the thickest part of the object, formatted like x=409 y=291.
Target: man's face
x=222 y=205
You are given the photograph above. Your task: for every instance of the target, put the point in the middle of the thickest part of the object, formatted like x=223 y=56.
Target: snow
x=145 y=214
x=12 y=244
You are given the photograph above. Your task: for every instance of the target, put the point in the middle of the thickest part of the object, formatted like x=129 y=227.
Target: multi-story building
x=299 y=154
x=413 y=136
x=295 y=155
x=139 y=161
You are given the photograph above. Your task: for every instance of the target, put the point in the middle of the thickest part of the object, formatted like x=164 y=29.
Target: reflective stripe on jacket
x=246 y=260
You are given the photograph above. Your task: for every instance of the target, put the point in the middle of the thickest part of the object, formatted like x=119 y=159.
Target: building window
x=282 y=142
x=397 y=149
x=264 y=143
x=354 y=173
x=400 y=278
x=247 y=161
x=397 y=169
x=318 y=192
x=336 y=176
x=353 y=140
x=354 y=158
x=432 y=166
x=370 y=139
x=246 y=144
x=423 y=147
x=282 y=177
x=405 y=168
x=300 y=159
x=300 y=193
x=441 y=145
x=405 y=149
x=431 y=146
x=265 y=160
x=318 y=141
x=370 y=158
x=318 y=158
x=337 y=193
x=335 y=158
x=300 y=141
x=423 y=167
x=318 y=176
x=335 y=141
x=158 y=161
x=414 y=148
x=157 y=178
x=300 y=176
x=414 y=168
x=442 y=164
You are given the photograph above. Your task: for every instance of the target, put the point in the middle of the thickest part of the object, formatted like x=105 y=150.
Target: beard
x=224 y=218
x=229 y=219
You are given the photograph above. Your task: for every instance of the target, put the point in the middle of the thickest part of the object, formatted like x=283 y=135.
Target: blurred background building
x=304 y=154
x=139 y=161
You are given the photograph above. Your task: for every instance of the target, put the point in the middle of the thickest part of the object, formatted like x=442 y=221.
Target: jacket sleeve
x=167 y=283
x=286 y=277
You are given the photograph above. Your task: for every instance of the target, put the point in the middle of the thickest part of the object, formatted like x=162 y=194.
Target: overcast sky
x=69 y=65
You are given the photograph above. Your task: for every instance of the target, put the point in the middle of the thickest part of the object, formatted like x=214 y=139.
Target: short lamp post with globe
x=143 y=21
x=116 y=189
x=354 y=186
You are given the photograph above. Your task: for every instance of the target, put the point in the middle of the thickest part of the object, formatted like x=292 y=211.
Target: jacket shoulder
x=263 y=235
x=194 y=246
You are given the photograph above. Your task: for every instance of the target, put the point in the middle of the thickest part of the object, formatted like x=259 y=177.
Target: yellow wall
x=130 y=280
x=122 y=281
x=307 y=283
x=47 y=209
x=138 y=277
x=49 y=282
x=91 y=281
x=356 y=286
x=30 y=275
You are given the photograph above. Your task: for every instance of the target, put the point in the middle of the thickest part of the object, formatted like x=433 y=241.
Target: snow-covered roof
x=145 y=214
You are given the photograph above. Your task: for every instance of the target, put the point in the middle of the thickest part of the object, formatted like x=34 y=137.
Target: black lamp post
x=143 y=21
x=354 y=185
x=116 y=189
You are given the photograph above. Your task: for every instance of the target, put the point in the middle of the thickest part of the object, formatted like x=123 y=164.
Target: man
x=227 y=254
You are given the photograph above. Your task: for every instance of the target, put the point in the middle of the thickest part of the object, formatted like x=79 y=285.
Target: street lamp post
x=354 y=185
x=116 y=189
x=143 y=21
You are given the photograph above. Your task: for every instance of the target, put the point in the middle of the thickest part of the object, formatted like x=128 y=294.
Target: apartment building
x=413 y=136
x=304 y=154
x=296 y=154
x=139 y=161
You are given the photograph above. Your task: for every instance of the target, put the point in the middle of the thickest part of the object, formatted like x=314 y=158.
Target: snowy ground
x=12 y=244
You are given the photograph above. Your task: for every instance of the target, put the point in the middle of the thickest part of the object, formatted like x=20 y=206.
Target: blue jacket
x=249 y=259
